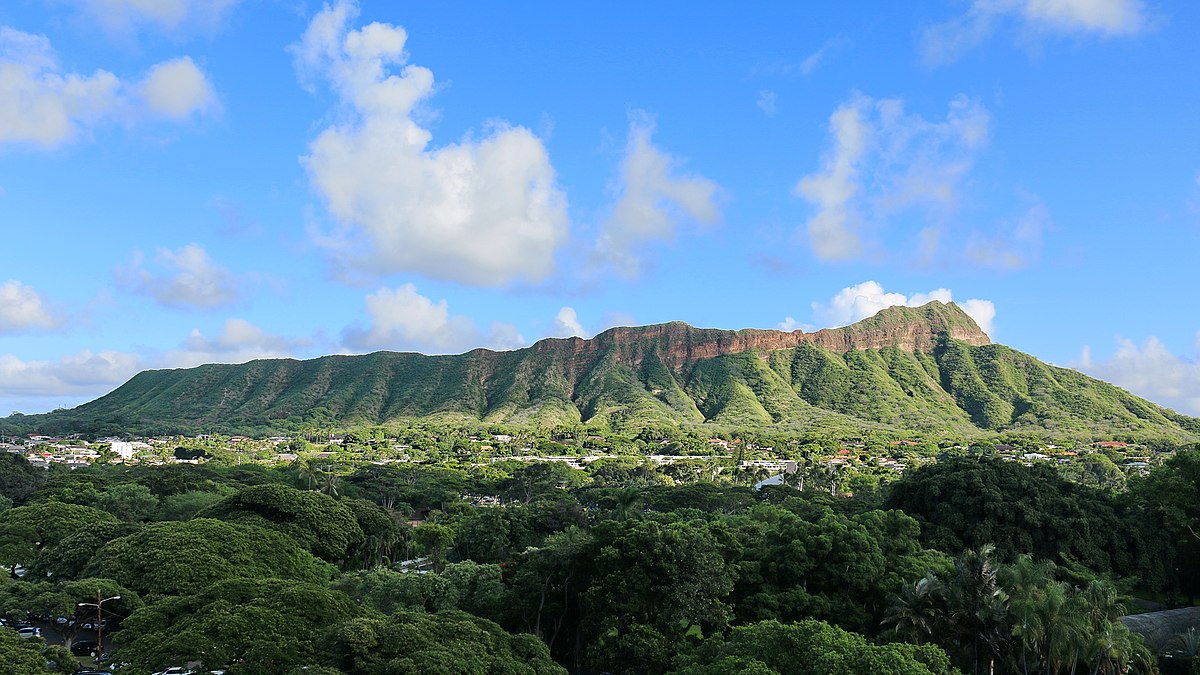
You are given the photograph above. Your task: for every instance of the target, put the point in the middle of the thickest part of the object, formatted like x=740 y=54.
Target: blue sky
x=191 y=181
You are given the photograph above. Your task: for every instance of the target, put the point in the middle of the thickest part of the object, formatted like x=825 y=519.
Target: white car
x=30 y=632
x=176 y=670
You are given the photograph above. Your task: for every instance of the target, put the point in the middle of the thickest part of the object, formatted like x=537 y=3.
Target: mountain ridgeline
x=927 y=368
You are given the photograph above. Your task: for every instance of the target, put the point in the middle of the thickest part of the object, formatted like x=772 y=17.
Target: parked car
x=30 y=632
x=176 y=670
x=84 y=647
x=91 y=625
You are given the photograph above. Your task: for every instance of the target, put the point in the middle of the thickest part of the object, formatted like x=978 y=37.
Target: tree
x=178 y=558
x=318 y=522
x=665 y=578
x=130 y=502
x=18 y=478
x=22 y=656
x=809 y=647
x=270 y=625
x=26 y=530
x=446 y=642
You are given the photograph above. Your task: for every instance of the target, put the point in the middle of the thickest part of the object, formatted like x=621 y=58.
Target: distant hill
x=927 y=368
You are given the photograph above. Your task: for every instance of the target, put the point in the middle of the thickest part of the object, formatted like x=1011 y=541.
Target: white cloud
x=790 y=324
x=84 y=373
x=766 y=102
x=566 y=324
x=1150 y=371
x=177 y=89
x=123 y=16
x=240 y=341
x=22 y=309
x=654 y=200
x=945 y=42
x=883 y=161
x=41 y=105
x=187 y=277
x=483 y=211
x=855 y=303
x=403 y=319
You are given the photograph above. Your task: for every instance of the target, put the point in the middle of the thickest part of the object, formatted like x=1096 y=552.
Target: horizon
x=233 y=181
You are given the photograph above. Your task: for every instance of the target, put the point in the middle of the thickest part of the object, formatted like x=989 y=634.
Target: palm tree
x=979 y=605
x=1025 y=580
x=310 y=473
x=916 y=610
x=330 y=482
x=628 y=502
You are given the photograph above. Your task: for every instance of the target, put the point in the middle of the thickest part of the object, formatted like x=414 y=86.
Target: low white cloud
x=403 y=319
x=42 y=105
x=85 y=373
x=483 y=211
x=883 y=161
x=124 y=16
x=177 y=89
x=238 y=342
x=22 y=309
x=1150 y=371
x=187 y=277
x=767 y=102
x=945 y=42
x=566 y=324
x=653 y=201
x=790 y=324
x=858 y=302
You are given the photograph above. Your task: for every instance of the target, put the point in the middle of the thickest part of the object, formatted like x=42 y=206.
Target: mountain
x=926 y=368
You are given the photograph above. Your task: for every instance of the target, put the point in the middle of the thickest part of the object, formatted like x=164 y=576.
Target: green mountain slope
x=926 y=368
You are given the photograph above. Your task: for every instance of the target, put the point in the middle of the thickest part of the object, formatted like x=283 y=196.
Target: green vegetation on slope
x=629 y=378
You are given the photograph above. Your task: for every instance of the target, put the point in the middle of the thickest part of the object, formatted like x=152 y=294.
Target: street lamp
x=99 y=604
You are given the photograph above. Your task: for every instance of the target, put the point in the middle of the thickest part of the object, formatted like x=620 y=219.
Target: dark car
x=84 y=647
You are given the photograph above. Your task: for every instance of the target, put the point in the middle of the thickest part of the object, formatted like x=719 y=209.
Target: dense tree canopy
x=174 y=558
x=316 y=521
x=810 y=647
x=445 y=643
x=18 y=478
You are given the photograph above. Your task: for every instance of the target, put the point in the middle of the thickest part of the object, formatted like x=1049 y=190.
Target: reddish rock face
x=678 y=344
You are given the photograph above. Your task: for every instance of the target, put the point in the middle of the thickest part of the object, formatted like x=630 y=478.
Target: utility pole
x=99 y=604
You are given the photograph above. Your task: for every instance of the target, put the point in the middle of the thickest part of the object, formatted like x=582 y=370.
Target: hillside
x=926 y=368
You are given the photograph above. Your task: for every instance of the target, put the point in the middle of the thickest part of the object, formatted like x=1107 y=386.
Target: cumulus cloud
x=883 y=161
x=177 y=89
x=22 y=309
x=403 y=319
x=43 y=106
x=238 y=342
x=123 y=16
x=566 y=324
x=85 y=373
x=945 y=42
x=855 y=303
x=39 y=103
x=187 y=277
x=482 y=211
x=1150 y=371
x=654 y=199
x=790 y=324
